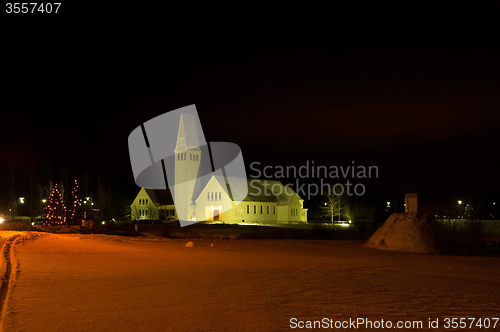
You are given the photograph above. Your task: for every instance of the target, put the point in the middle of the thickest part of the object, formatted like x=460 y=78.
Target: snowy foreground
x=110 y=283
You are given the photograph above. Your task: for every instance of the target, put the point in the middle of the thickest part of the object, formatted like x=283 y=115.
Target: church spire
x=187 y=136
x=181 y=138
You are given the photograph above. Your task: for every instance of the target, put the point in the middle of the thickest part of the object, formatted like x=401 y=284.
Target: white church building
x=267 y=201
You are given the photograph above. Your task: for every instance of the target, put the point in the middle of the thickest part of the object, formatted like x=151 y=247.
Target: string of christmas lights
x=58 y=214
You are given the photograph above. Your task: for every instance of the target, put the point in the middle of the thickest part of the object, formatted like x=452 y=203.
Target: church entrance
x=216 y=215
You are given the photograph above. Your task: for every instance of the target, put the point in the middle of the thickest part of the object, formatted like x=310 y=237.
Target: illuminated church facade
x=267 y=201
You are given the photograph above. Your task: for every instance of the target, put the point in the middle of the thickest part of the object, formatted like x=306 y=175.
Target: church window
x=211 y=196
x=190 y=156
x=261 y=209
x=208 y=196
x=219 y=196
x=215 y=196
x=268 y=209
x=196 y=157
x=178 y=156
x=274 y=209
x=185 y=156
x=248 y=209
x=254 y=209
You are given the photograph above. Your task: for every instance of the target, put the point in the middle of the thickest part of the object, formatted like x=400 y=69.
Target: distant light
x=21 y=199
x=44 y=200
x=388 y=203
x=103 y=222
x=32 y=224
x=1 y=220
x=494 y=203
x=459 y=202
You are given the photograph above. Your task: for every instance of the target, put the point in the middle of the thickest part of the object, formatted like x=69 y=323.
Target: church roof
x=160 y=196
x=265 y=190
x=187 y=137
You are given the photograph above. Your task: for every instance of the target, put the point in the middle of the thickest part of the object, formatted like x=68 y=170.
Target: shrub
x=457 y=236
x=18 y=226
x=324 y=231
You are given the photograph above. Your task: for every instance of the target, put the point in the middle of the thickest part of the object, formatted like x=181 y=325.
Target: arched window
x=208 y=196
x=212 y=196
x=215 y=196
x=220 y=196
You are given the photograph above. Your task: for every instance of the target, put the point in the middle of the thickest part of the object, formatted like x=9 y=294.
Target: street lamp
x=21 y=199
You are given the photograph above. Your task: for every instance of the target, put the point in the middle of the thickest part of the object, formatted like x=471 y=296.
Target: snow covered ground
x=70 y=282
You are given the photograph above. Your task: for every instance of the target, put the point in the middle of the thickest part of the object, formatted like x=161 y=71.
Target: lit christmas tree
x=55 y=209
x=74 y=212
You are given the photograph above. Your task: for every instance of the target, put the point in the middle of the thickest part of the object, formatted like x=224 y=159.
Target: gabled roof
x=265 y=190
x=261 y=190
x=187 y=136
x=160 y=196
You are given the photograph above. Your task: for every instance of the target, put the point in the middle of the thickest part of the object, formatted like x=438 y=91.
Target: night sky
x=411 y=87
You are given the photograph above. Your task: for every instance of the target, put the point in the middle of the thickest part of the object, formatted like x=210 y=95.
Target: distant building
x=411 y=202
x=267 y=201
x=153 y=204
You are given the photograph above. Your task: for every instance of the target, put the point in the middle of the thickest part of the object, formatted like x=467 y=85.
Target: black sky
x=412 y=87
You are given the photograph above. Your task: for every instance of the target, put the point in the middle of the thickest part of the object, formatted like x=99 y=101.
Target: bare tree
x=12 y=176
x=65 y=183
x=151 y=211
x=134 y=212
x=103 y=199
x=31 y=173
x=42 y=190
x=334 y=203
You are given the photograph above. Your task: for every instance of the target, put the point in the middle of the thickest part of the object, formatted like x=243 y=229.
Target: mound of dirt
x=411 y=232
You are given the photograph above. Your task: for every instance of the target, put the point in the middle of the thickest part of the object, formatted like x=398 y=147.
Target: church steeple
x=187 y=164
x=187 y=136
x=181 y=138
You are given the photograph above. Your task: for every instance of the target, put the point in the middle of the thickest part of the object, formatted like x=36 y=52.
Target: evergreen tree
x=74 y=212
x=55 y=209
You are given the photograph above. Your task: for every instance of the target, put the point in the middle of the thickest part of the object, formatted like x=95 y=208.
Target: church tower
x=187 y=164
